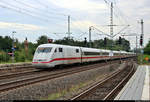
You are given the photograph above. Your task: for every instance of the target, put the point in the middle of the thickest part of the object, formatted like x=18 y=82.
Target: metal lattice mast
x=142 y=31
x=90 y=28
x=68 y=26
x=111 y=20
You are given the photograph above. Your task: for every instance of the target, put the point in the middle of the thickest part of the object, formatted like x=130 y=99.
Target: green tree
x=5 y=43
x=42 y=40
x=147 y=49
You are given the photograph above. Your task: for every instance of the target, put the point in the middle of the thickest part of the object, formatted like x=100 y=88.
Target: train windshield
x=44 y=50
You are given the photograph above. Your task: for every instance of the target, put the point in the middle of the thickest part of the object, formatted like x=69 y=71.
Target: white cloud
x=84 y=27
x=83 y=24
x=79 y=5
x=134 y=11
x=7 y=25
x=144 y=11
x=87 y=12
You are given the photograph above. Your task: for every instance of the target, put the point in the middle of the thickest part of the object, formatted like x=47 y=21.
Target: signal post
x=141 y=41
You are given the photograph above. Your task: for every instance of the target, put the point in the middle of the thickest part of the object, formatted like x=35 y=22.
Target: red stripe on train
x=72 y=58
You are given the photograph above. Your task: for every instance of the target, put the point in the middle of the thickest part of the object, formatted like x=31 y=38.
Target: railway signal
x=141 y=40
x=105 y=41
x=50 y=40
x=120 y=40
x=85 y=41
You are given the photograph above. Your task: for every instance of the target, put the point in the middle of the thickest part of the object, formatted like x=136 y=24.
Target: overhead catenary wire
x=115 y=13
x=48 y=12
x=82 y=32
x=19 y=11
x=26 y=4
x=77 y=26
x=36 y=14
x=72 y=18
x=83 y=24
x=120 y=14
x=25 y=13
x=26 y=10
x=47 y=6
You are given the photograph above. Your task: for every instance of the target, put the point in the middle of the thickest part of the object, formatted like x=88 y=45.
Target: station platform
x=138 y=87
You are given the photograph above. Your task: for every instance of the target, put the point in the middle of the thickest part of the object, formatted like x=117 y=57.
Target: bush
x=4 y=57
x=22 y=58
x=1 y=58
x=17 y=56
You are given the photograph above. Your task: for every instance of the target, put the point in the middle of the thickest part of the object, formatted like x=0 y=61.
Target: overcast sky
x=33 y=18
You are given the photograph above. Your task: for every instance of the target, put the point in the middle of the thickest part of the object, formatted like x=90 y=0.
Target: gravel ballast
x=45 y=89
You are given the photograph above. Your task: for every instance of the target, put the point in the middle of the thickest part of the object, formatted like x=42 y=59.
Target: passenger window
x=44 y=50
x=60 y=50
x=56 y=50
x=77 y=50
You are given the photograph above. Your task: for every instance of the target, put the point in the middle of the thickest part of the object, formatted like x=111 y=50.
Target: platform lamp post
x=13 y=32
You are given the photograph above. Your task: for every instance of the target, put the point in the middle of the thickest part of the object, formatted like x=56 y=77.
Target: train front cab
x=42 y=57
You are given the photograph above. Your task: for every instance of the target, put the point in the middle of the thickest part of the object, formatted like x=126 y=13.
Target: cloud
x=79 y=5
x=83 y=24
x=134 y=11
x=7 y=25
x=144 y=11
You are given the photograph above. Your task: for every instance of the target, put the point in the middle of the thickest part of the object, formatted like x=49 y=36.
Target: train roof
x=55 y=45
x=84 y=48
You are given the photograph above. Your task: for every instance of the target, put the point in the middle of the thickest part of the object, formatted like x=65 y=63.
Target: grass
x=55 y=96
x=74 y=88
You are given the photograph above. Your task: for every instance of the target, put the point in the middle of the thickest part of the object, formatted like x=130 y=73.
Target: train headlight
x=39 y=60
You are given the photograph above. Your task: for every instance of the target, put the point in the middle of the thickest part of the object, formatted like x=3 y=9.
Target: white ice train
x=50 y=55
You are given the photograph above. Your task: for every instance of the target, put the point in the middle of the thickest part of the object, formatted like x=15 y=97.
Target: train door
x=66 y=54
x=70 y=53
x=80 y=54
x=61 y=54
x=58 y=54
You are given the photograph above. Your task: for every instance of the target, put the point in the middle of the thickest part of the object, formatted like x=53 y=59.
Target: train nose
x=41 y=57
x=41 y=63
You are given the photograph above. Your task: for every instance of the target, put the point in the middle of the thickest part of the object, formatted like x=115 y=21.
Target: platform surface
x=137 y=88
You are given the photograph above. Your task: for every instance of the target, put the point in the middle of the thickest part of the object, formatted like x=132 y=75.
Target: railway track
x=18 y=74
x=27 y=79
x=16 y=69
x=108 y=88
x=14 y=66
x=27 y=71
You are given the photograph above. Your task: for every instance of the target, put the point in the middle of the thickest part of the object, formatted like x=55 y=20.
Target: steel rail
x=10 y=75
x=119 y=86
x=95 y=86
x=23 y=82
x=31 y=71
x=87 y=91
x=15 y=67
